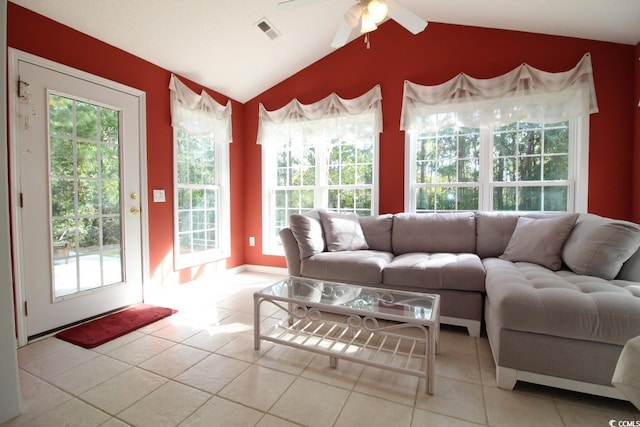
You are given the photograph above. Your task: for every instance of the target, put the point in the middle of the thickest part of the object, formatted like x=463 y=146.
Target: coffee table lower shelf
x=399 y=347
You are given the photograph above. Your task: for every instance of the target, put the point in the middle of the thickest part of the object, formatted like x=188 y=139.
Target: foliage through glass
x=85 y=194
x=529 y=168
x=337 y=174
x=198 y=193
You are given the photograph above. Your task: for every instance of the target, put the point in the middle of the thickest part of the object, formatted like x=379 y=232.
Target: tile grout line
x=557 y=400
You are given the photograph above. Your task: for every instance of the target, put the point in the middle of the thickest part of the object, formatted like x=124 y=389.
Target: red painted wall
x=434 y=56
x=41 y=36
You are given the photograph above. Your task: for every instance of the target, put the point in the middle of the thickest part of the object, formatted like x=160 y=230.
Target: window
x=525 y=149
x=530 y=167
x=201 y=129
x=198 y=193
x=446 y=171
x=327 y=158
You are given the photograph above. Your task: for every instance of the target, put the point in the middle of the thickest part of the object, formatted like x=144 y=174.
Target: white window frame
x=223 y=215
x=201 y=116
x=578 y=169
x=524 y=94
x=411 y=146
x=272 y=245
x=319 y=124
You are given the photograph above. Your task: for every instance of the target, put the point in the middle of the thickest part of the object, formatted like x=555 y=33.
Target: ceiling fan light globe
x=368 y=24
x=378 y=10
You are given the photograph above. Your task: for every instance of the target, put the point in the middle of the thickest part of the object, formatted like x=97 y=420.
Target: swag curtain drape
x=324 y=120
x=524 y=93
x=199 y=114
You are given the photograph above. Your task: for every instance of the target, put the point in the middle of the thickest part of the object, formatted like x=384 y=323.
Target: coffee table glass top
x=393 y=303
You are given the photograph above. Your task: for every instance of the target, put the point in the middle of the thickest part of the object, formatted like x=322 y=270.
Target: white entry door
x=78 y=189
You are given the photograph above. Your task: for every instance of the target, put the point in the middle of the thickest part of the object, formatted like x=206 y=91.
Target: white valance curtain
x=524 y=93
x=323 y=120
x=199 y=114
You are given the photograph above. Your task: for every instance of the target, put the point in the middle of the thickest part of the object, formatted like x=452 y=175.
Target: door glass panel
x=85 y=194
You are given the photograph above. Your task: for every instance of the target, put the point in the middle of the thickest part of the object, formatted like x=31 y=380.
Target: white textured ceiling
x=216 y=42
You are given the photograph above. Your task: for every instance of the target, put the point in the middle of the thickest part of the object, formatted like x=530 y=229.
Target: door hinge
x=26 y=308
x=21 y=200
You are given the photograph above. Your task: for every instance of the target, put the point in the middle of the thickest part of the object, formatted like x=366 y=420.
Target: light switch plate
x=158 y=196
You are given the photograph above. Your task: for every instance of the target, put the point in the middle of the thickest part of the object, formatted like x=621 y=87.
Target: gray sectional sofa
x=559 y=294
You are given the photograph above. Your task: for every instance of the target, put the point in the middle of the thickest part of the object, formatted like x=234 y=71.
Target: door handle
x=134 y=211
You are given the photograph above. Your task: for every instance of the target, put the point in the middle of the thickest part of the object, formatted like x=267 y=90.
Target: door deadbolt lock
x=134 y=211
x=134 y=196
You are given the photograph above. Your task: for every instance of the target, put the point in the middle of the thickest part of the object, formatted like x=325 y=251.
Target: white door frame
x=16 y=224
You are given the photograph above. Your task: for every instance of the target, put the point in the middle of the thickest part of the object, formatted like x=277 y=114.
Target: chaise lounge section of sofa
x=559 y=294
x=564 y=327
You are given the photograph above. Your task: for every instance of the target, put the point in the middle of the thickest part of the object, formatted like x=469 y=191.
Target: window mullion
x=486 y=168
x=411 y=143
x=322 y=172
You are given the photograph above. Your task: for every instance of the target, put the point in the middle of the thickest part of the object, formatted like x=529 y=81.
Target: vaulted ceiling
x=217 y=43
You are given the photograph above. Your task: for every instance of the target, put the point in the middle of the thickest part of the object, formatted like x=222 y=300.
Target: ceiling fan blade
x=405 y=17
x=288 y=4
x=342 y=36
x=353 y=15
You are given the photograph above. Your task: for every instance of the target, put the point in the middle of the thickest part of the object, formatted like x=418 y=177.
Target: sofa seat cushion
x=361 y=266
x=436 y=271
x=530 y=298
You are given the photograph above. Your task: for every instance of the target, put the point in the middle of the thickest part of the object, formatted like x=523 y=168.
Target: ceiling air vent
x=268 y=28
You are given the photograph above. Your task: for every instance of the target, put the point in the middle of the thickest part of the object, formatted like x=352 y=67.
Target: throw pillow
x=599 y=246
x=342 y=232
x=540 y=241
x=308 y=234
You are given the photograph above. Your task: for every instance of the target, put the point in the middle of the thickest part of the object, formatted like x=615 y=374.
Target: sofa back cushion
x=434 y=232
x=494 y=232
x=377 y=231
x=599 y=246
x=307 y=230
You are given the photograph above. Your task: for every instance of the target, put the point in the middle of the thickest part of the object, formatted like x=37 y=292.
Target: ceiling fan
x=368 y=13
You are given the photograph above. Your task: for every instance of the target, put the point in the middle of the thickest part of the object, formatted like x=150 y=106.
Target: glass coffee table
x=389 y=329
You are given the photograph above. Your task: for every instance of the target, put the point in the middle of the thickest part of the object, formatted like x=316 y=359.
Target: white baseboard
x=265 y=269
x=250 y=268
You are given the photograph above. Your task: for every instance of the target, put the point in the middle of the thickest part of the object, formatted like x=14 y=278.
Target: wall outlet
x=252 y=241
x=158 y=196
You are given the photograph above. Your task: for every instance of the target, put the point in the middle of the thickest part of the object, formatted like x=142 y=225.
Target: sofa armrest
x=291 y=251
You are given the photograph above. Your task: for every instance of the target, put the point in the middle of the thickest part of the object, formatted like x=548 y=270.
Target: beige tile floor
x=198 y=368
